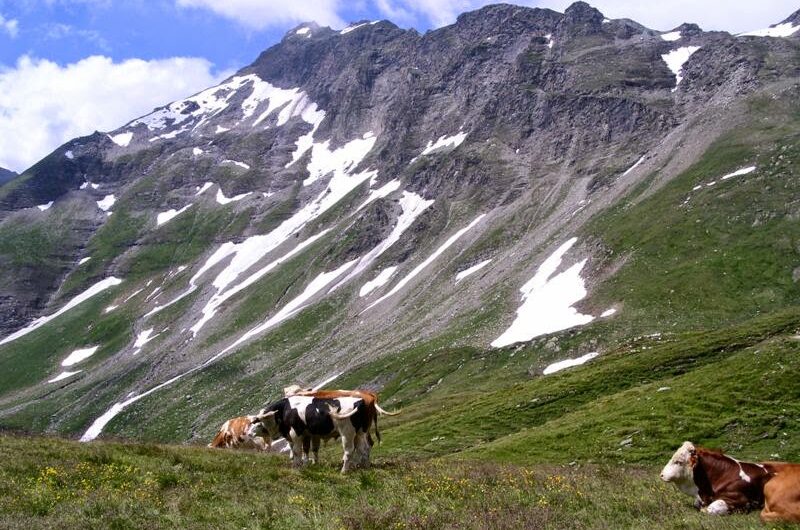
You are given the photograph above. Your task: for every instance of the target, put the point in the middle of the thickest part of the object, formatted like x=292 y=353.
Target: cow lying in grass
x=242 y=432
x=307 y=418
x=722 y=484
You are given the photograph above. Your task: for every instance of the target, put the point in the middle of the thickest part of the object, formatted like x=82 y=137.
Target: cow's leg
x=315 y=442
x=363 y=449
x=306 y=447
x=718 y=507
x=295 y=448
x=348 y=444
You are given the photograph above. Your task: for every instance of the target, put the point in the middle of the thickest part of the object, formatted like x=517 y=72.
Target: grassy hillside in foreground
x=51 y=483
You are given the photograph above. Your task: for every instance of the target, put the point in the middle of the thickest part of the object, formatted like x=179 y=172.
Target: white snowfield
x=419 y=268
x=672 y=36
x=340 y=161
x=472 y=270
x=79 y=355
x=205 y=187
x=143 y=338
x=569 y=363
x=247 y=253
x=379 y=281
x=122 y=139
x=312 y=116
x=444 y=142
x=676 y=59
x=222 y=199
x=303 y=31
x=786 y=29
x=165 y=217
x=237 y=163
x=44 y=207
x=95 y=289
x=547 y=301
x=63 y=375
x=630 y=169
x=106 y=202
x=384 y=191
x=412 y=205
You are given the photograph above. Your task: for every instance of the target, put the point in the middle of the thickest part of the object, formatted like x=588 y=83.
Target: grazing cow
x=307 y=418
x=782 y=493
x=719 y=483
x=244 y=432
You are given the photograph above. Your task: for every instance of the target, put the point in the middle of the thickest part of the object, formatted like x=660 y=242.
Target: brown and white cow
x=306 y=418
x=782 y=493
x=719 y=483
x=243 y=432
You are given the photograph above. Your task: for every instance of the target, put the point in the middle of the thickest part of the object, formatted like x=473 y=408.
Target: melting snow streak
x=569 y=363
x=547 y=301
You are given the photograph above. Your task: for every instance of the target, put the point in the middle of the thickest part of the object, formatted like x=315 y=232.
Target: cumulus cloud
x=260 y=14
x=435 y=12
x=9 y=26
x=43 y=104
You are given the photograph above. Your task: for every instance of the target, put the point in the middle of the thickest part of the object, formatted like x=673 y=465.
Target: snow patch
x=314 y=117
x=569 y=363
x=547 y=301
x=608 y=313
x=412 y=206
x=340 y=161
x=638 y=162
x=549 y=38
x=84 y=260
x=472 y=270
x=786 y=29
x=676 y=59
x=70 y=155
x=379 y=281
x=107 y=202
x=167 y=216
x=221 y=129
x=672 y=36
x=204 y=188
x=63 y=375
x=82 y=297
x=111 y=308
x=419 y=268
x=236 y=163
x=44 y=207
x=196 y=151
x=739 y=172
x=122 y=139
x=443 y=142
x=303 y=31
x=385 y=190
x=222 y=199
x=354 y=27
x=79 y=355
x=143 y=338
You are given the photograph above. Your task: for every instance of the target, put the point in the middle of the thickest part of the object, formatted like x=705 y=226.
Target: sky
x=70 y=67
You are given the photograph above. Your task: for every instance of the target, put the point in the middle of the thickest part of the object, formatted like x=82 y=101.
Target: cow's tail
x=381 y=411
x=341 y=416
x=377 y=432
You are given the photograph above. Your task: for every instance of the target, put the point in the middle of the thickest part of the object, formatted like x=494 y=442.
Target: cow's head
x=264 y=423
x=680 y=469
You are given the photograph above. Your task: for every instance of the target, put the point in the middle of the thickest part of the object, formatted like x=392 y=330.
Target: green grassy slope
x=49 y=483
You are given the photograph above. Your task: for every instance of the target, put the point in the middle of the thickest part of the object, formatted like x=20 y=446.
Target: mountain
x=439 y=217
x=6 y=175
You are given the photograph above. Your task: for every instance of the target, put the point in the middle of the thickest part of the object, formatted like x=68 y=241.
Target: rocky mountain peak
x=581 y=12
x=794 y=18
x=6 y=175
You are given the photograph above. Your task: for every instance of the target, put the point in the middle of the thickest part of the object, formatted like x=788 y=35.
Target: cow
x=782 y=493
x=719 y=483
x=308 y=417
x=242 y=432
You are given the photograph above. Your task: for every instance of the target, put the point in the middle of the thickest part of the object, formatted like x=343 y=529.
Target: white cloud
x=259 y=14
x=9 y=25
x=43 y=104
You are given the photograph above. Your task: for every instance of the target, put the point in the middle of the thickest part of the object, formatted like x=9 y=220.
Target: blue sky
x=69 y=67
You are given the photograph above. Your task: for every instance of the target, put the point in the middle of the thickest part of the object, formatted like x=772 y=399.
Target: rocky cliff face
x=312 y=212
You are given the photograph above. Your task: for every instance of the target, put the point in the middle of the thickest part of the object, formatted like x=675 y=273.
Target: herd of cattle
x=720 y=484
x=305 y=418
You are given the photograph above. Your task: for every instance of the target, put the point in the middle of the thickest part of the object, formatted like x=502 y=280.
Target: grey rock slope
x=6 y=175
x=333 y=189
